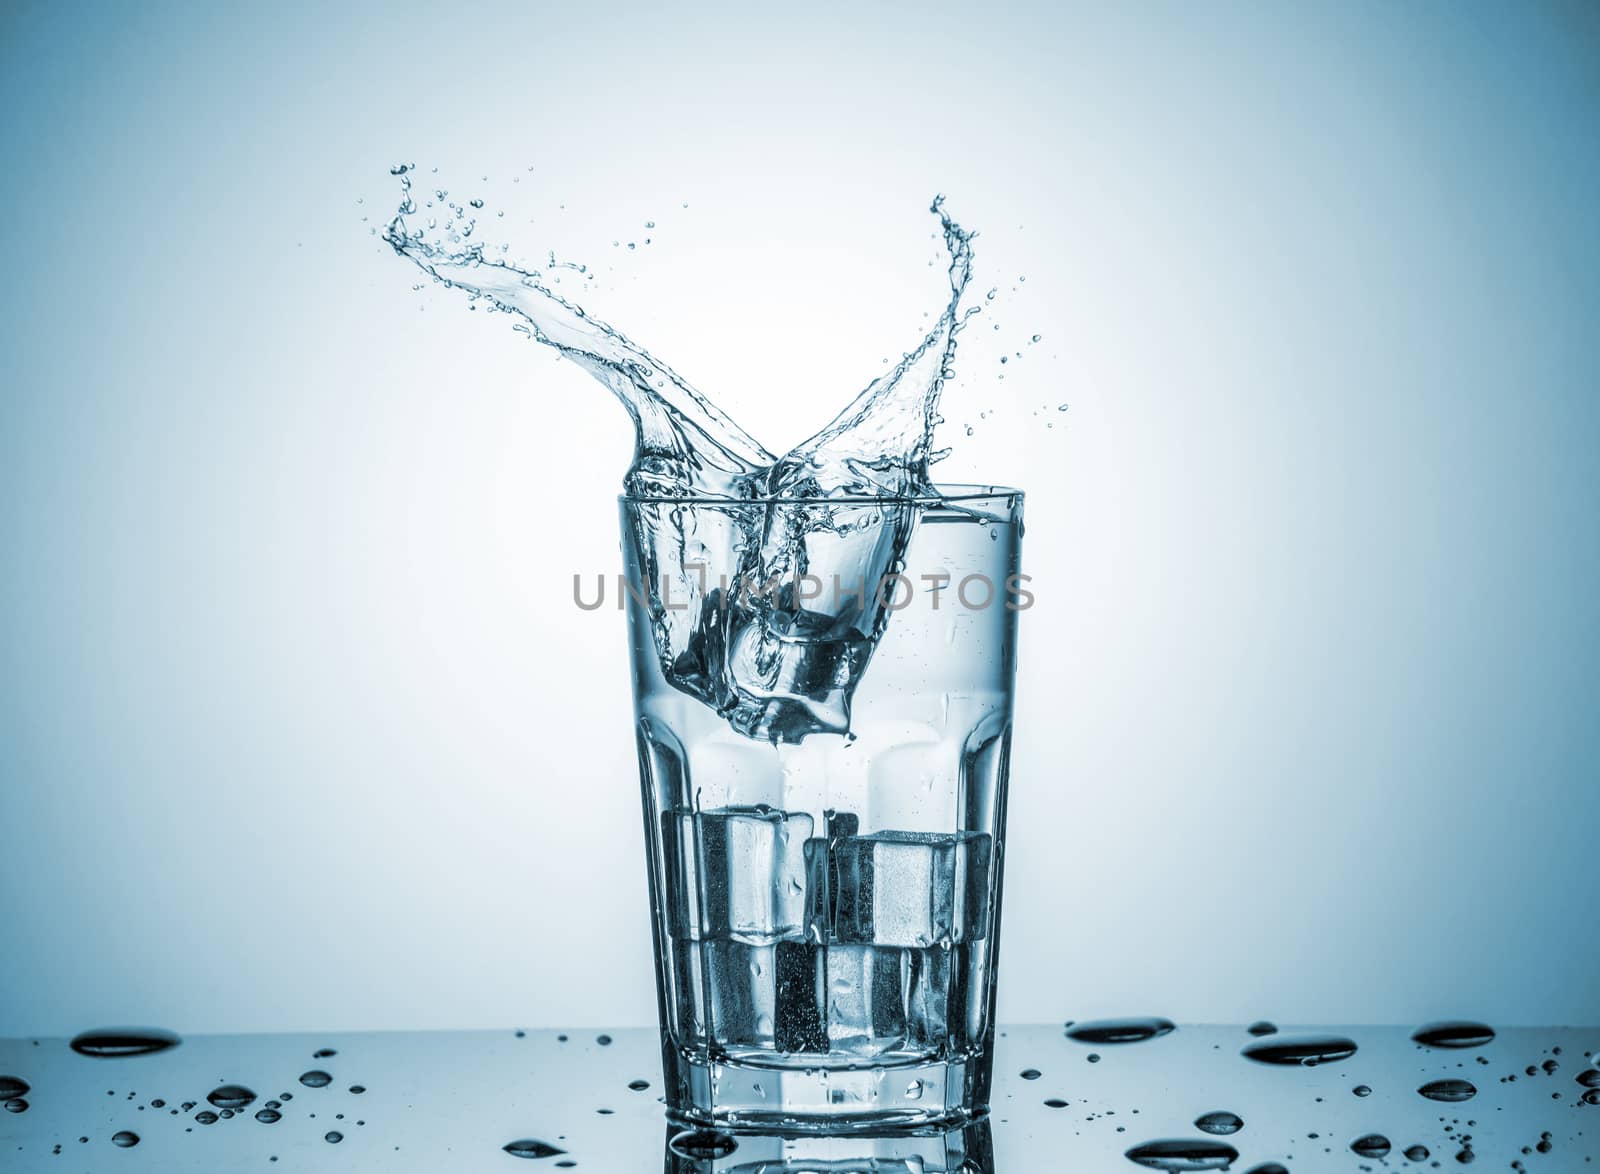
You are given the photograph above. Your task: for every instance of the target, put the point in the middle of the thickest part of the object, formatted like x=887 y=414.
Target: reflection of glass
x=827 y=909
x=965 y=1150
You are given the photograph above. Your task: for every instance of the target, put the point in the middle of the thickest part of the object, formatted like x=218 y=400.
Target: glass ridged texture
x=826 y=906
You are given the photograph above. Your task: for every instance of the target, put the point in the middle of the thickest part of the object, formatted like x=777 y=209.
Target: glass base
x=907 y=1097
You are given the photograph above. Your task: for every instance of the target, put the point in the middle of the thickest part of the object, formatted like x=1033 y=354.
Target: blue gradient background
x=298 y=726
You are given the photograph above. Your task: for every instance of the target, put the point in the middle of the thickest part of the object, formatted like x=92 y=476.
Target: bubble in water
x=110 y=1042
x=1177 y=1154
x=1262 y=1027
x=705 y=1145
x=333 y=1137
x=1119 y=1031
x=1309 y=1050
x=231 y=1096
x=1031 y=1074
x=316 y=1078
x=1372 y=1145
x=1449 y=1090
x=206 y=1117
x=1362 y=1090
x=1417 y=1153
x=16 y=1105
x=268 y=1116
x=1220 y=1122
x=1454 y=1033
x=125 y=1139
x=15 y=1086
x=530 y=1148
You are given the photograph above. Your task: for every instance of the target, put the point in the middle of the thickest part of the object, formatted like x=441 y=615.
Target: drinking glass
x=824 y=776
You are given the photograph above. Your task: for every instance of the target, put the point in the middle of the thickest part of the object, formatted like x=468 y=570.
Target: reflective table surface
x=1181 y=1099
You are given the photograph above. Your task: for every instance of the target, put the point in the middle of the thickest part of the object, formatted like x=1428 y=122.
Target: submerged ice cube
x=892 y=888
x=735 y=872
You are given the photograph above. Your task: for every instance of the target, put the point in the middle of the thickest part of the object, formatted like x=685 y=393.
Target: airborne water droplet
x=125 y=1139
x=1220 y=1122
x=1174 y=1155
x=1372 y=1145
x=1119 y=1031
x=1448 y=1090
x=530 y=1148
x=1454 y=1033
x=1308 y=1050
x=109 y=1042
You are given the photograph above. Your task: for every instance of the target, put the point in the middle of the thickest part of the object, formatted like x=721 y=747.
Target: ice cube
x=729 y=985
x=801 y=980
x=892 y=888
x=866 y=999
x=735 y=872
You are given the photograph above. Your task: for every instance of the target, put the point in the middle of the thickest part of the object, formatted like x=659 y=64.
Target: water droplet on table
x=1308 y=1050
x=316 y=1078
x=231 y=1096
x=1362 y=1090
x=333 y=1137
x=125 y=1139
x=702 y=1144
x=1372 y=1145
x=531 y=1148
x=1454 y=1033
x=268 y=1116
x=15 y=1086
x=1031 y=1074
x=1449 y=1090
x=1119 y=1031
x=1416 y=1153
x=206 y=1117
x=1220 y=1122
x=1262 y=1027
x=16 y=1105
x=638 y=1085
x=1179 y=1154
x=111 y=1042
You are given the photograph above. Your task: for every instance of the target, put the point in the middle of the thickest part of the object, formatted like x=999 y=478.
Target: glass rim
x=951 y=493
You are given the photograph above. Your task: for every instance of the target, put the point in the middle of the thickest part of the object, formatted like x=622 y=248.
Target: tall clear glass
x=825 y=858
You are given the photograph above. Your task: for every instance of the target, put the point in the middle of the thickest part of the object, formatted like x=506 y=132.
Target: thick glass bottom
x=900 y=1097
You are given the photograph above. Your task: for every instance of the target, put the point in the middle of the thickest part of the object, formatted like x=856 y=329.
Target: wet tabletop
x=1518 y=1098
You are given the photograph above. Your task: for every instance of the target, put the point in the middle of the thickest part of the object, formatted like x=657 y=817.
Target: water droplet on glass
x=15 y=1086
x=1372 y=1145
x=230 y=1096
x=530 y=1148
x=206 y=1117
x=125 y=1139
x=109 y=1042
x=1417 y=1153
x=702 y=1144
x=316 y=1078
x=1176 y=1154
x=1448 y=1090
x=1220 y=1122
x=1309 y=1050
x=1262 y=1027
x=268 y=1116
x=333 y=1137
x=1454 y=1033
x=1119 y=1031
